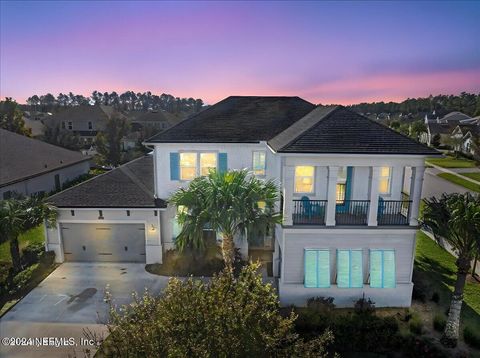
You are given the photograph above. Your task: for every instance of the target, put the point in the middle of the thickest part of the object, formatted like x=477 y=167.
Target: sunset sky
x=325 y=52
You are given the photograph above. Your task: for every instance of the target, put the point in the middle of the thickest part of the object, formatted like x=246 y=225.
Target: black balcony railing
x=309 y=212
x=352 y=212
x=393 y=212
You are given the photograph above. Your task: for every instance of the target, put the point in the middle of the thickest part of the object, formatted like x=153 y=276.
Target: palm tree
x=20 y=215
x=455 y=218
x=230 y=203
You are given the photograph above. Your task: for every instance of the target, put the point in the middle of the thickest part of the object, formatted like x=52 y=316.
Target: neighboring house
x=158 y=119
x=85 y=120
x=348 y=229
x=29 y=166
x=442 y=126
x=468 y=133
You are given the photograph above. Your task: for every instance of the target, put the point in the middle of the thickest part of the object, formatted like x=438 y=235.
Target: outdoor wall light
x=153 y=228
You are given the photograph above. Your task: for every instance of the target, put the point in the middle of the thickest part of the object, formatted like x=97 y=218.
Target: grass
x=451 y=162
x=435 y=268
x=460 y=181
x=474 y=176
x=34 y=235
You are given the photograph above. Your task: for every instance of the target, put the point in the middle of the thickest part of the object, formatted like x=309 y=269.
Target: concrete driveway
x=70 y=300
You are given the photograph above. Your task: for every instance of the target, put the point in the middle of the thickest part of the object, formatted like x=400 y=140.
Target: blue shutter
x=310 y=268
x=389 y=269
x=323 y=268
x=222 y=162
x=343 y=268
x=356 y=268
x=174 y=166
x=376 y=262
x=348 y=184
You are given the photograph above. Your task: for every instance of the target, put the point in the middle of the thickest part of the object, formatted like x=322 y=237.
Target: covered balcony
x=353 y=196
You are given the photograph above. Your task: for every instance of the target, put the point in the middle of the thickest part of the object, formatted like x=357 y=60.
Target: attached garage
x=103 y=242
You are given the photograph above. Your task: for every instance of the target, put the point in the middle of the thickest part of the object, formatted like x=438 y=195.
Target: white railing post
x=373 y=205
x=288 y=178
x=331 y=196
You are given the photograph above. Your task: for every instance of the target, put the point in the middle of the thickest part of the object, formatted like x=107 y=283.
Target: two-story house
x=348 y=229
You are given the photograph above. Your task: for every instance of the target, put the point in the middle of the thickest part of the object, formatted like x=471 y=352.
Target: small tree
x=231 y=203
x=456 y=219
x=11 y=118
x=225 y=317
x=436 y=140
x=109 y=141
x=20 y=215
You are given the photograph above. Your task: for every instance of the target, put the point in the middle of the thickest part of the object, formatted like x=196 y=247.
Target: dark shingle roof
x=128 y=186
x=23 y=157
x=340 y=130
x=97 y=114
x=238 y=119
x=441 y=128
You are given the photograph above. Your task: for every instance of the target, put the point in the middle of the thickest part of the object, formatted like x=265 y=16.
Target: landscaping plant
x=230 y=203
x=455 y=218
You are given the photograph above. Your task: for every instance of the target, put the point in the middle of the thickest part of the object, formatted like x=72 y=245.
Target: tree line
x=126 y=101
x=468 y=103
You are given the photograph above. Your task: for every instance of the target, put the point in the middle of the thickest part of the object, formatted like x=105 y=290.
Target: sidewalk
x=445 y=170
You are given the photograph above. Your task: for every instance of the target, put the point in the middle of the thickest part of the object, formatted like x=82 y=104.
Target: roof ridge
x=128 y=172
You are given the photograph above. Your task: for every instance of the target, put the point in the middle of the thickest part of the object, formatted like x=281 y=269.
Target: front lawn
x=435 y=271
x=35 y=235
x=460 y=181
x=451 y=162
x=474 y=176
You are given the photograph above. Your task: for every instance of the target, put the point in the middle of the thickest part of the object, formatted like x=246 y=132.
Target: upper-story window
x=304 y=179
x=384 y=183
x=70 y=125
x=259 y=163
x=341 y=183
x=208 y=161
x=90 y=125
x=63 y=125
x=188 y=166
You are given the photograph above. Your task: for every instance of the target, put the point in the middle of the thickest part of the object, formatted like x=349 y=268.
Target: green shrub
x=32 y=253
x=364 y=306
x=416 y=325
x=21 y=279
x=408 y=315
x=321 y=304
x=471 y=337
x=47 y=258
x=439 y=322
x=435 y=297
x=414 y=346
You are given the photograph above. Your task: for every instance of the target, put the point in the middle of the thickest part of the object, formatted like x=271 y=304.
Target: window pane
x=340 y=192
x=383 y=186
x=310 y=268
x=342 y=175
x=188 y=166
x=304 y=182
x=376 y=268
x=259 y=163
x=389 y=269
x=385 y=171
x=323 y=268
x=187 y=173
x=356 y=269
x=207 y=161
x=343 y=268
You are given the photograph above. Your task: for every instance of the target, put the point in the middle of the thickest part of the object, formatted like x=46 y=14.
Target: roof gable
x=343 y=131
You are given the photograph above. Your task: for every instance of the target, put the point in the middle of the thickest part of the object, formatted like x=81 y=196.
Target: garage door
x=104 y=242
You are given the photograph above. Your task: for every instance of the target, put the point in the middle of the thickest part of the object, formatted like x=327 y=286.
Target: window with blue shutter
x=222 y=162
x=349 y=268
x=382 y=269
x=174 y=166
x=317 y=268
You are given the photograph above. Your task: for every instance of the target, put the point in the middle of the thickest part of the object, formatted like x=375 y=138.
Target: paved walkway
x=451 y=171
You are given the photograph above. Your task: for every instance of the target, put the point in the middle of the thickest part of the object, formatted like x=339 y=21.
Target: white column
x=416 y=182
x=288 y=179
x=373 y=206
x=331 y=196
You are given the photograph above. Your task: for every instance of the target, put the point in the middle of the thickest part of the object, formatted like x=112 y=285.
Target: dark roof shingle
x=238 y=119
x=128 y=186
x=343 y=131
x=23 y=157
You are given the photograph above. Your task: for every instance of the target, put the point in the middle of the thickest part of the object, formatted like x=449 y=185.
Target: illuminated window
x=259 y=163
x=188 y=166
x=385 y=180
x=341 y=183
x=208 y=161
x=304 y=179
